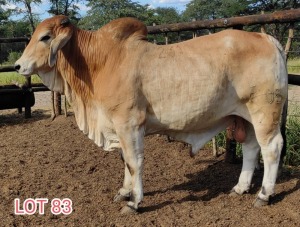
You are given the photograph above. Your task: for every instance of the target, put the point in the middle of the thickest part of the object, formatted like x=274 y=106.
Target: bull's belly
x=196 y=133
x=182 y=121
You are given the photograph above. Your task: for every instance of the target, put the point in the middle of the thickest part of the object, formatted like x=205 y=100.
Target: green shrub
x=293 y=65
x=293 y=136
x=14 y=77
x=13 y=57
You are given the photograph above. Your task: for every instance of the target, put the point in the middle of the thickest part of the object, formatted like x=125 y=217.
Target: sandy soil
x=40 y=158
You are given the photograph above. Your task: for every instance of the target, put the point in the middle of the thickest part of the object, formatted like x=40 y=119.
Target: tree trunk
x=30 y=16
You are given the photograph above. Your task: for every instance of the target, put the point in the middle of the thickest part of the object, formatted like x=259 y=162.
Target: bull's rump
x=194 y=84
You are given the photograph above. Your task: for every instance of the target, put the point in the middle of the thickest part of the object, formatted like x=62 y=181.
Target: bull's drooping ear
x=59 y=42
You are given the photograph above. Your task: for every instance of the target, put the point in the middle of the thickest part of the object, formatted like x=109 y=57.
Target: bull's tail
x=285 y=107
x=279 y=47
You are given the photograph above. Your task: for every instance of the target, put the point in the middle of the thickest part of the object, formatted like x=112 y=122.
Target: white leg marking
x=132 y=141
x=124 y=192
x=271 y=155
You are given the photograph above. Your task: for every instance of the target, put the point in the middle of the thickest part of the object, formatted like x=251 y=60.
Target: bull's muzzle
x=17 y=67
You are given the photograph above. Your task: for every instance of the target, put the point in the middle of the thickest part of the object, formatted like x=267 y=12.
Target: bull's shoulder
x=123 y=28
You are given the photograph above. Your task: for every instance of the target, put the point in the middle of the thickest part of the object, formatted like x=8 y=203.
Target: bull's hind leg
x=125 y=192
x=250 y=154
x=270 y=149
x=266 y=124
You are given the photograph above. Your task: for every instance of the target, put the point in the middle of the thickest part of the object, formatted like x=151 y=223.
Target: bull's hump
x=125 y=28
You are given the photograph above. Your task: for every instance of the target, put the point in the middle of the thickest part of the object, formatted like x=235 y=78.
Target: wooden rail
x=14 y=40
x=285 y=16
x=294 y=79
x=17 y=90
x=7 y=69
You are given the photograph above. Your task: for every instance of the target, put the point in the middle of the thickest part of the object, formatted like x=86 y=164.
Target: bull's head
x=39 y=57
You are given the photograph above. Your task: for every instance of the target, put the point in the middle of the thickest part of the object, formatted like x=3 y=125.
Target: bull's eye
x=45 y=38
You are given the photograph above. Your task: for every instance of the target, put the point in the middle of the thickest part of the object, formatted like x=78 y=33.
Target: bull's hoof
x=233 y=193
x=127 y=210
x=119 y=198
x=259 y=202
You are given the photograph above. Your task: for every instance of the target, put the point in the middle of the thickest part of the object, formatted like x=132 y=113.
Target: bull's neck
x=80 y=61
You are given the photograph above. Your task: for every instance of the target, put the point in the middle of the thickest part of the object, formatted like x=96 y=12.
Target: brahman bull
x=122 y=88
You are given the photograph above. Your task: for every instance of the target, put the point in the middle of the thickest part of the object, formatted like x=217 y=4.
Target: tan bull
x=122 y=88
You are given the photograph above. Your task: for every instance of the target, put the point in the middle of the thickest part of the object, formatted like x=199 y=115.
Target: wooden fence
x=19 y=97
x=285 y=16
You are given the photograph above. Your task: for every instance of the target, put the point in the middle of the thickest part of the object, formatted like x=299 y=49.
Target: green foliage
x=293 y=136
x=294 y=65
x=4 y=14
x=212 y=9
x=26 y=10
x=15 y=29
x=103 y=11
x=256 y=6
x=166 y=15
x=65 y=7
x=221 y=139
x=13 y=78
x=13 y=57
x=12 y=29
x=221 y=142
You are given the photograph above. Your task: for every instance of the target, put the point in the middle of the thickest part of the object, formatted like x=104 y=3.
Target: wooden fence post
x=52 y=105
x=285 y=108
x=154 y=41
x=66 y=106
x=262 y=28
x=56 y=104
x=27 y=94
x=289 y=40
x=230 y=155
x=166 y=39
x=179 y=38
x=57 y=96
x=214 y=147
x=27 y=98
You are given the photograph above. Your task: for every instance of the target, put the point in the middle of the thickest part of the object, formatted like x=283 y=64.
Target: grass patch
x=13 y=77
x=294 y=65
x=293 y=136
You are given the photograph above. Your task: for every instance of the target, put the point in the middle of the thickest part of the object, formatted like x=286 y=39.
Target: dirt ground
x=40 y=158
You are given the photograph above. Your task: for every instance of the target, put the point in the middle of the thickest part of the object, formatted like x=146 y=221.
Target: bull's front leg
x=125 y=192
x=132 y=143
